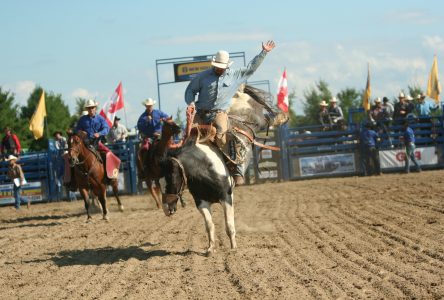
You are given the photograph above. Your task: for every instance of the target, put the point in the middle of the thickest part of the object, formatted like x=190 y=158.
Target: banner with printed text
x=395 y=158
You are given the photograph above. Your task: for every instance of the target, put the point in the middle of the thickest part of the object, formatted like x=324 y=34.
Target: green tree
x=58 y=117
x=349 y=98
x=80 y=107
x=9 y=113
x=295 y=120
x=313 y=98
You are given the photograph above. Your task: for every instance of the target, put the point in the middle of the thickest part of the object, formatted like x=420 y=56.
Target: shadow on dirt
x=32 y=225
x=43 y=218
x=108 y=255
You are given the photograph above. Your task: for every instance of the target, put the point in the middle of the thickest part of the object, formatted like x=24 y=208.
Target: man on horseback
x=216 y=87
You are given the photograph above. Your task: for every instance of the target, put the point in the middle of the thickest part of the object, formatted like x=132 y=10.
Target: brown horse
x=149 y=160
x=90 y=174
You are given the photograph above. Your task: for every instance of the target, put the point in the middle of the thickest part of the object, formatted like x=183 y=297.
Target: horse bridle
x=183 y=183
x=79 y=163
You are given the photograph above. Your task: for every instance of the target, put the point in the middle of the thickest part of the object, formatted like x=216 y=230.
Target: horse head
x=75 y=147
x=175 y=181
x=170 y=128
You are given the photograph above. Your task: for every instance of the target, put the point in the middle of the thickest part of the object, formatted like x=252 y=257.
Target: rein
x=184 y=176
x=252 y=140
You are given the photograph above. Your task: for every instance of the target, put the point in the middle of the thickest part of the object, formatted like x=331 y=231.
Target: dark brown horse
x=90 y=174
x=149 y=160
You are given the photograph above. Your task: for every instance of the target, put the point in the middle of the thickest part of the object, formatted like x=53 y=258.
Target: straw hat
x=149 y=102
x=323 y=103
x=221 y=60
x=334 y=100
x=11 y=157
x=90 y=103
x=401 y=95
x=378 y=100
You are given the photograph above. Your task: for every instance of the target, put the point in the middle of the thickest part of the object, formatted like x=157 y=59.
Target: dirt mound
x=378 y=237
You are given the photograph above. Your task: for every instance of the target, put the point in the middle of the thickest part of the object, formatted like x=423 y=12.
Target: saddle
x=108 y=158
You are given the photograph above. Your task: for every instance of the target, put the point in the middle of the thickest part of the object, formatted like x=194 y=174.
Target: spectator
x=117 y=132
x=388 y=109
x=336 y=115
x=15 y=173
x=370 y=153
x=401 y=108
x=409 y=142
x=424 y=108
x=410 y=106
x=324 y=115
x=60 y=141
x=149 y=123
x=376 y=112
x=10 y=143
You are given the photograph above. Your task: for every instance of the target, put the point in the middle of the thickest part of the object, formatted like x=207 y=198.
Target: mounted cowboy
x=93 y=128
x=216 y=87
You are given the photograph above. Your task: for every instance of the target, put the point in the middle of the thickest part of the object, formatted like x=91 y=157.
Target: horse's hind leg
x=152 y=190
x=228 y=206
x=85 y=195
x=205 y=210
x=114 y=185
x=102 y=199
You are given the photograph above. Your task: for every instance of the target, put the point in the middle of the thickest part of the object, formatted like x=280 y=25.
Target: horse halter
x=169 y=198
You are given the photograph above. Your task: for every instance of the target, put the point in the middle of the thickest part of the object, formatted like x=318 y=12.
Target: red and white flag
x=110 y=107
x=282 y=93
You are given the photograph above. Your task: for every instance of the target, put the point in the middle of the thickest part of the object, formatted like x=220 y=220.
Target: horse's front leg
x=205 y=210
x=149 y=184
x=228 y=206
x=85 y=195
x=114 y=185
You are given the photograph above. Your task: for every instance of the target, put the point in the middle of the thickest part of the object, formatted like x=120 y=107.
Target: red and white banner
x=282 y=93
x=110 y=107
x=395 y=158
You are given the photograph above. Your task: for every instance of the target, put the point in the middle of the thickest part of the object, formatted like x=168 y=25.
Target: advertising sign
x=327 y=164
x=186 y=71
x=395 y=158
x=31 y=190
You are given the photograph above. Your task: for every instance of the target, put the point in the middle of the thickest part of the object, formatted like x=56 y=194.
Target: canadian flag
x=110 y=107
x=282 y=93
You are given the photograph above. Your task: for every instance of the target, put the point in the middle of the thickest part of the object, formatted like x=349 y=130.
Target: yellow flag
x=367 y=92
x=433 y=86
x=37 y=121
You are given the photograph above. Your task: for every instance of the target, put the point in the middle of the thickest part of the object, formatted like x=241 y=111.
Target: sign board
x=268 y=165
x=395 y=158
x=186 y=71
x=327 y=164
x=32 y=191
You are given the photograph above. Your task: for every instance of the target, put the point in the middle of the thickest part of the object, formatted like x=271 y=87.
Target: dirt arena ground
x=345 y=238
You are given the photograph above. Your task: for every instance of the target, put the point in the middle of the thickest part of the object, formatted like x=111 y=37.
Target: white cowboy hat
x=378 y=100
x=334 y=100
x=148 y=102
x=221 y=60
x=408 y=98
x=90 y=103
x=323 y=103
x=11 y=157
x=401 y=95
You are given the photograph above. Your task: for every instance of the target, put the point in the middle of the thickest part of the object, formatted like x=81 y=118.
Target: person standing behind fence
x=336 y=115
x=324 y=115
x=15 y=173
x=10 y=143
x=370 y=153
x=409 y=142
x=424 y=108
x=401 y=108
x=387 y=109
x=117 y=133
x=60 y=141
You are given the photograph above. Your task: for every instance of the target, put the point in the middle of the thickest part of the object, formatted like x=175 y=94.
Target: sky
x=85 y=48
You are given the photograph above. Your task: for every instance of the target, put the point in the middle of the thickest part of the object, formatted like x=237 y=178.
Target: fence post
x=282 y=138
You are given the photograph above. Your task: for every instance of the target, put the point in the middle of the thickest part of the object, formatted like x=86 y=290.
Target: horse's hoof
x=106 y=218
x=89 y=220
x=210 y=252
x=121 y=208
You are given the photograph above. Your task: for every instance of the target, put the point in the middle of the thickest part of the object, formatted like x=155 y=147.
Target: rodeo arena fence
x=306 y=152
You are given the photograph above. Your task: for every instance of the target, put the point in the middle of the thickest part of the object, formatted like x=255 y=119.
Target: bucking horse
x=202 y=166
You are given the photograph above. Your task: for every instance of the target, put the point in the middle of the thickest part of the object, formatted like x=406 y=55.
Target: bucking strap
x=252 y=140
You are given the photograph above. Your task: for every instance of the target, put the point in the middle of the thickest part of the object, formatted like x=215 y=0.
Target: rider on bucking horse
x=96 y=128
x=216 y=87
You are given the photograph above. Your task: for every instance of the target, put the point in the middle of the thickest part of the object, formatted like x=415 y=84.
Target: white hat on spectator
x=221 y=60
x=378 y=100
x=11 y=157
x=323 y=103
x=409 y=98
x=149 y=102
x=90 y=103
x=421 y=96
x=401 y=95
x=334 y=100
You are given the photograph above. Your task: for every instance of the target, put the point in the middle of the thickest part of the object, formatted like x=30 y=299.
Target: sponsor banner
x=186 y=71
x=395 y=158
x=327 y=164
x=31 y=190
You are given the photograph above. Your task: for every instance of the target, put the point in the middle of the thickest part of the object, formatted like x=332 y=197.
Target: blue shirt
x=425 y=108
x=369 y=137
x=409 y=135
x=91 y=125
x=215 y=92
x=149 y=126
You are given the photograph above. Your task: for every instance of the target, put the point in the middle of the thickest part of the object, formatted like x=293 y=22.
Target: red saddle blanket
x=112 y=165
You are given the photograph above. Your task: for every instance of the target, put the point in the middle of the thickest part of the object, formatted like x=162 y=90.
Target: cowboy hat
x=408 y=98
x=401 y=95
x=334 y=100
x=90 y=103
x=117 y=118
x=221 y=60
x=148 y=102
x=323 y=103
x=378 y=100
x=11 y=157
x=421 y=96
